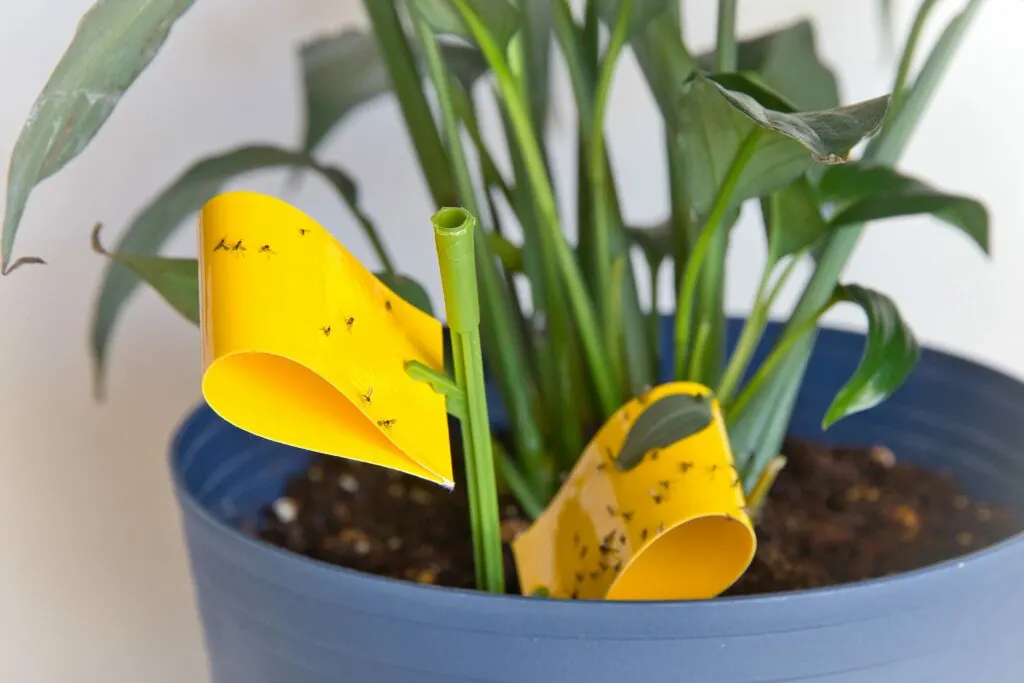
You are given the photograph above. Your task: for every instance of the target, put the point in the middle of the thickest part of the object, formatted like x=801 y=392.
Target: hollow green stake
x=453 y=237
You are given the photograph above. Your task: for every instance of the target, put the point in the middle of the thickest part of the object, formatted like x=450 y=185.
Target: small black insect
x=367 y=398
x=238 y=246
x=665 y=484
x=575 y=595
x=387 y=305
x=583 y=552
x=580 y=577
x=602 y=566
x=611 y=510
x=622 y=539
x=349 y=322
x=386 y=425
x=730 y=517
x=627 y=517
x=303 y=231
x=653 y=455
x=657 y=497
x=606 y=549
x=326 y=329
x=684 y=467
x=595 y=575
x=576 y=538
x=713 y=468
x=265 y=249
x=643 y=534
x=602 y=466
x=617 y=567
x=222 y=245
x=609 y=538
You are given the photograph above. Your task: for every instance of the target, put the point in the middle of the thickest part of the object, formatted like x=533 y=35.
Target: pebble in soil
x=834 y=516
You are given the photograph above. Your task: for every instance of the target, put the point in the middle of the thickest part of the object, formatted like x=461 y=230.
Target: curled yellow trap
x=304 y=346
x=672 y=527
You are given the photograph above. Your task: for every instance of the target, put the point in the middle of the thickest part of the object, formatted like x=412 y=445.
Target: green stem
x=906 y=59
x=596 y=159
x=518 y=483
x=513 y=375
x=453 y=235
x=407 y=85
x=684 y=308
x=653 y=317
x=582 y=306
x=771 y=363
x=725 y=51
x=753 y=328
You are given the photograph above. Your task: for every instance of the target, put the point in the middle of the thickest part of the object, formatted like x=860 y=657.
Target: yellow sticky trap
x=672 y=528
x=304 y=346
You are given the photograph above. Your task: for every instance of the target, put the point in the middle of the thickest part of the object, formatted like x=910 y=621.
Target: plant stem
x=518 y=483
x=777 y=355
x=753 y=328
x=512 y=373
x=684 y=308
x=453 y=235
x=405 y=77
x=596 y=158
x=725 y=50
x=582 y=306
x=908 y=53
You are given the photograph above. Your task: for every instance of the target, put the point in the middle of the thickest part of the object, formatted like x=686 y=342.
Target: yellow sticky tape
x=304 y=346
x=674 y=527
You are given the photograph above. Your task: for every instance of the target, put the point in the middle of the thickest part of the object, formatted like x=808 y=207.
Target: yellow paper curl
x=672 y=528
x=304 y=346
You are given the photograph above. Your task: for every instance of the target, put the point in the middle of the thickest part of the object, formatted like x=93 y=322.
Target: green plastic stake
x=453 y=237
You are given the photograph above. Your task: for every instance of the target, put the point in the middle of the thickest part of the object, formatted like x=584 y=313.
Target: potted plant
x=636 y=454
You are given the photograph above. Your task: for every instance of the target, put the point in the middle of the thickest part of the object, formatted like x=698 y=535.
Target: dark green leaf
x=666 y=421
x=167 y=211
x=501 y=17
x=175 y=279
x=343 y=71
x=113 y=44
x=868 y=193
x=655 y=241
x=829 y=135
x=408 y=289
x=750 y=83
x=787 y=61
x=890 y=354
x=340 y=72
x=792 y=220
x=714 y=122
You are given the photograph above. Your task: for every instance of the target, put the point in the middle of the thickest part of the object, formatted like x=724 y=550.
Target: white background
x=94 y=583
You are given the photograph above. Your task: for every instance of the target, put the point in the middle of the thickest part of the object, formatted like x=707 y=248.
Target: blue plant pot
x=276 y=617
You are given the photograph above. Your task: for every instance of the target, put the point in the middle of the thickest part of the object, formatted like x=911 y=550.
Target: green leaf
x=151 y=228
x=890 y=354
x=792 y=220
x=787 y=61
x=408 y=289
x=501 y=17
x=175 y=279
x=340 y=72
x=715 y=121
x=866 y=193
x=114 y=43
x=668 y=420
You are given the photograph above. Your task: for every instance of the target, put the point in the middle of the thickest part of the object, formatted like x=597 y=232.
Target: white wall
x=93 y=578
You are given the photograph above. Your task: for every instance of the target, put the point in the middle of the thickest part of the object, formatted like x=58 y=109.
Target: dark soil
x=834 y=516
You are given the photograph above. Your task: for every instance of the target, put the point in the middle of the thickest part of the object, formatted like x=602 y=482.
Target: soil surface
x=834 y=516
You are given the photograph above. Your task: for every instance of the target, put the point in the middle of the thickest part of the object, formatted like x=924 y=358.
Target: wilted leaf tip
x=9 y=267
